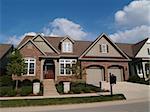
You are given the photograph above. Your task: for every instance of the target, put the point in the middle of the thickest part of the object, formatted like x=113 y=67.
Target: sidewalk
x=58 y=96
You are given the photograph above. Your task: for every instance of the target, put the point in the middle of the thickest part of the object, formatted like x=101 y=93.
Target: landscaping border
x=59 y=101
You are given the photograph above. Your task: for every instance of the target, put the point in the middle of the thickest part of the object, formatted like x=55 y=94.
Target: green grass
x=59 y=101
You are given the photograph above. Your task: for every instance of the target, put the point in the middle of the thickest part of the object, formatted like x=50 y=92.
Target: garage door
x=117 y=72
x=94 y=75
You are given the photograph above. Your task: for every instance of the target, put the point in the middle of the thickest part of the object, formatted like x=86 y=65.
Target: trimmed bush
x=59 y=87
x=25 y=90
x=12 y=92
x=79 y=87
x=7 y=91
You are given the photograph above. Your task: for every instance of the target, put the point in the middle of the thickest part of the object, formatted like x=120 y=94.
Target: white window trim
x=104 y=48
x=28 y=61
x=66 y=61
x=67 y=47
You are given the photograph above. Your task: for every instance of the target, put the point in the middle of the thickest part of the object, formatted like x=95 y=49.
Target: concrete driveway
x=130 y=90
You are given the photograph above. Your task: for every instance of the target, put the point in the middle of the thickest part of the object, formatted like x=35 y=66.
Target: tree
x=77 y=70
x=16 y=65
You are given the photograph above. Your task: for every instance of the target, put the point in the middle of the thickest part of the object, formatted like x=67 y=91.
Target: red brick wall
x=32 y=52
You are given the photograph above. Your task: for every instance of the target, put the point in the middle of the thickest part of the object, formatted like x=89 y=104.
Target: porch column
x=144 y=71
x=56 y=68
x=42 y=63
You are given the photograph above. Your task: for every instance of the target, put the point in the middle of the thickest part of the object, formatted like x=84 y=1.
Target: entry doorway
x=49 y=69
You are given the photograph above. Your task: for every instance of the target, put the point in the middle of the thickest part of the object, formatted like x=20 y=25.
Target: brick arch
x=119 y=66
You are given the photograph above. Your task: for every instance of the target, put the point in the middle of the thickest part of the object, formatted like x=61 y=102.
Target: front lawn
x=79 y=87
x=59 y=101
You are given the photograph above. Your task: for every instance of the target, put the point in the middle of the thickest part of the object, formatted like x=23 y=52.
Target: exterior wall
x=86 y=64
x=143 y=53
x=42 y=45
x=95 y=50
x=31 y=52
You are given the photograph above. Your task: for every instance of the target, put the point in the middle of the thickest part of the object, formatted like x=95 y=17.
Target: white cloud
x=63 y=26
x=135 y=14
x=133 y=35
x=15 y=40
x=133 y=22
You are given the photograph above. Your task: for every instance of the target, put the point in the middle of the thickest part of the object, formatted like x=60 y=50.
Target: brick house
x=5 y=51
x=51 y=58
x=139 y=53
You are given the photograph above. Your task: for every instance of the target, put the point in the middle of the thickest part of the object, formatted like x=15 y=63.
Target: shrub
x=76 y=90
x=25 y=90
x=134 y=78
x=137 y=79
x=6 y=80
x=26 y=82
x=59 y=87
x=7 y=91
x=11 y=92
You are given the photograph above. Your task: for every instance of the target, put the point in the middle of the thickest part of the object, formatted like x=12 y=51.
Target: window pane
x=31 y=69
x=62 y=68
x=68 y=69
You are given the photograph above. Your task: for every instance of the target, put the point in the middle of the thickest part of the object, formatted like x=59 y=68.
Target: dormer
x=67 y=45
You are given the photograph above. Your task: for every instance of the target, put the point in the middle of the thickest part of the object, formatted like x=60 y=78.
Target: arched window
x=30 y=66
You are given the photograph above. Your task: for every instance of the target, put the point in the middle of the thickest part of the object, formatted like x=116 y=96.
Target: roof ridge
x=141 y=41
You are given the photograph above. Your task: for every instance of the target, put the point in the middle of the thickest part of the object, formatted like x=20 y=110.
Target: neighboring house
x=51 y=58
x=5 y=51
x=140 y=55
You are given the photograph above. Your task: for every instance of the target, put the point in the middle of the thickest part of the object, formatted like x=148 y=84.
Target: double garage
x=95 y=74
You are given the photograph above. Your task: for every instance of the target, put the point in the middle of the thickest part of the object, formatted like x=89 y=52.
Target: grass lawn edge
x=59 y=101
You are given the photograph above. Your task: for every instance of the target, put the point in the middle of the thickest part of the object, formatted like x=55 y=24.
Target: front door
x=49 y=72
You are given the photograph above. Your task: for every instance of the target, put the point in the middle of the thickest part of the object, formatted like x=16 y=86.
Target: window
x=104 y=48
x=30 y=66
x=148 y=50
x=67 y=47
x=65 y=65
x=147 y=69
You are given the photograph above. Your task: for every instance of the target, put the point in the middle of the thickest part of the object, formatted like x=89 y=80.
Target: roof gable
x=4 y=48
x=138 y=46
x=143 y=52
x=44 y=44
x=94 y=49
x=33 y=44
x=69 y=38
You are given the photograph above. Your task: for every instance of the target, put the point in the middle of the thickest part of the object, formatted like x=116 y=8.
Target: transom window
x=66 y=47
x=104 y=48
x=65 y=66
x=30 y=66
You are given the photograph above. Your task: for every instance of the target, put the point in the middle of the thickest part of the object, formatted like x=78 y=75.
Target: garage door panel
x=94 y=75
x=117 y=72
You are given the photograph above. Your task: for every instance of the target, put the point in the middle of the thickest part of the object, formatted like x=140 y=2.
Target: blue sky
x=88 y=17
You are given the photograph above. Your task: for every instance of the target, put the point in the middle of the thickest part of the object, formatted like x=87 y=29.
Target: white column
x=42 y=63
x=144 y=69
